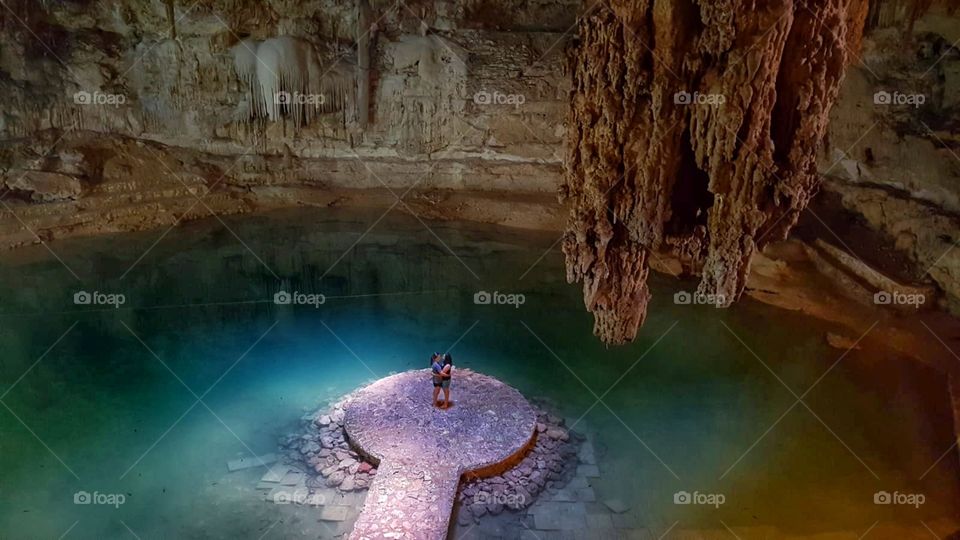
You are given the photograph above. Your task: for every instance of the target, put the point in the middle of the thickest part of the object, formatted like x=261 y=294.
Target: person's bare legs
x=436 y=393
x=446 y=398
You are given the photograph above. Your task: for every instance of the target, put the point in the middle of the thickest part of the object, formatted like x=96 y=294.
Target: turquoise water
x=687 y=407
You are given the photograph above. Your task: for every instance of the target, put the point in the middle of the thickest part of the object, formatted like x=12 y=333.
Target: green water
x=98 y=412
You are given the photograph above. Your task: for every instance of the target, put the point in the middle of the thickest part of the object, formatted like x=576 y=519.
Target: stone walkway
x=423 y=451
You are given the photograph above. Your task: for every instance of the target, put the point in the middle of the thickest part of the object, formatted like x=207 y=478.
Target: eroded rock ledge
x=693 y=129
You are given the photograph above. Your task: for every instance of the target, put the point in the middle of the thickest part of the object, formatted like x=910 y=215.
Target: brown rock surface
x=42 y=186
x=694 y=128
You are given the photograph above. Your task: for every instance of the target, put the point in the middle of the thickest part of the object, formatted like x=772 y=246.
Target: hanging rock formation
x=285 y=74
x=693 y=130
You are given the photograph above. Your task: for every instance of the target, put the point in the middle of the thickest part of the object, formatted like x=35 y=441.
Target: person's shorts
x=443 y=383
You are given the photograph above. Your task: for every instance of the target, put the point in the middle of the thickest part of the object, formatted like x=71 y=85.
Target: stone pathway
x=423 y=451
x=317 y=468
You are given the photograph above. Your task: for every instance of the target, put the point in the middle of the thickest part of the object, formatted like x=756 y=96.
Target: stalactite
x=284 y=78
x=364 y=30
x=904 y=13
x=171 y=18
x=693 y=129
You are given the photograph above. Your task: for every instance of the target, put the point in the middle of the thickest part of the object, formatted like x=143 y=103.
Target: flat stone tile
x=553 y=507
x=315 y=499
x=287 y=494
x=564 y=495
x=625 y=521
x=492 y=529
x=616 y=506
x=586 y=495
x=250 y=461
x=559 y=521
x=275 y=473
x=641 y=533
x=600 y=534
x=292 y=478
x=595 y=508
x=578 y=482
x=334 y=513
x=599 y=521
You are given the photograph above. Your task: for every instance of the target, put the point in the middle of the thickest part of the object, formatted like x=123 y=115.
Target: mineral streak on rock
x=693 y=129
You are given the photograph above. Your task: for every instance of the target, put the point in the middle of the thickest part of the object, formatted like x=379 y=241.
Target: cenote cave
x=480 y=269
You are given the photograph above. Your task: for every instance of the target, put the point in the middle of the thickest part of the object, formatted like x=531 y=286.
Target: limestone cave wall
x=119 y=114
x=892 y=156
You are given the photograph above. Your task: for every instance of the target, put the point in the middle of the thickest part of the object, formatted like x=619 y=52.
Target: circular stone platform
x=423 y=450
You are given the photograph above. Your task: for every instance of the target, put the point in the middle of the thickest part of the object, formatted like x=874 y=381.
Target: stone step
x=247 y=462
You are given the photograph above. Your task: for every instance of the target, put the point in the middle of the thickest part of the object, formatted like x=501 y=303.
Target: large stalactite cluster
x=693 y=130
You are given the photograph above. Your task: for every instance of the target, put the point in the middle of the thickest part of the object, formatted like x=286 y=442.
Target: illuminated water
x=100 y=413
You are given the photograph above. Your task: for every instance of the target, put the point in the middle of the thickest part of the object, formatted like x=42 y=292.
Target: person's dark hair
x=433 y=357
x=448 y=359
